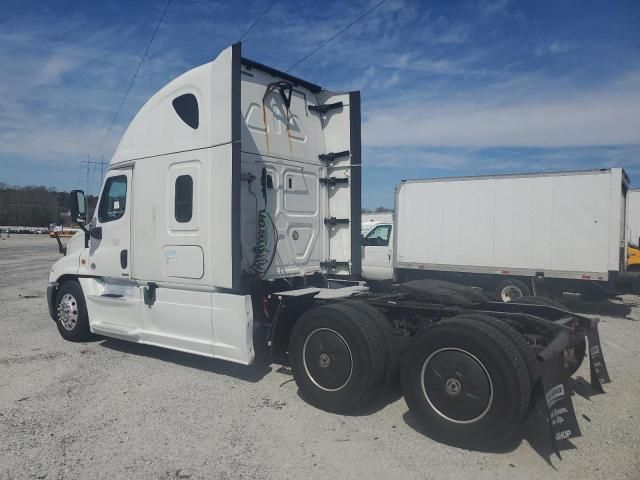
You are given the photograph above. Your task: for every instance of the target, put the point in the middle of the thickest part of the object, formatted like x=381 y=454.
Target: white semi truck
x=516 y=235
x=230 y=207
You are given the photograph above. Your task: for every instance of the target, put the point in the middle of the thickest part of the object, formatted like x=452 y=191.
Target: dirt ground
x=111 y=409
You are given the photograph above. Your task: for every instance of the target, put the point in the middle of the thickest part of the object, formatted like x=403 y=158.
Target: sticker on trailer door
x=170 y=256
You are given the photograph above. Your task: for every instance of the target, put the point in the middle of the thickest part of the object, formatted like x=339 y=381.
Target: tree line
x=35 y=206
x=377 y=210
x=39 y=206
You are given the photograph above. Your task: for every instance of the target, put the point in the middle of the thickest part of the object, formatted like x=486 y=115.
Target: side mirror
x=363 y=240
x=78 y=207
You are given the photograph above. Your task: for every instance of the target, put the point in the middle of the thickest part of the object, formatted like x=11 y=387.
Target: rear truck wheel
x=466 y=382
x=517 y=340
x=510 y=289
x=573 y=357
x=338 y=358
x=376 y=316
x=71 y=315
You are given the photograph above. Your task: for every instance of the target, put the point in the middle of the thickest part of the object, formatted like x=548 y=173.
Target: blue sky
x=448 y=88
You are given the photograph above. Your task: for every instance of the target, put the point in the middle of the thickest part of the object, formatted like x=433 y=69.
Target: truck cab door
x=110 y=230
x=377 y=252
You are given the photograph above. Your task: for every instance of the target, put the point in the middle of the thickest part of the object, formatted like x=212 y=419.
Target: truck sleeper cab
x=232 y=198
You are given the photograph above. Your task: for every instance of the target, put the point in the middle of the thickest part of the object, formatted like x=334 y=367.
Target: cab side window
x=184 y=198
x=114 y=199
x=379 y=236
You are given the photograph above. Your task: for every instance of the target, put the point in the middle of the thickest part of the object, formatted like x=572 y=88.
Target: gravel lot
x=111 y=409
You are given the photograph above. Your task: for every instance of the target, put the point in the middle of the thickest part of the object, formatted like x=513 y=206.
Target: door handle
x=124 y=258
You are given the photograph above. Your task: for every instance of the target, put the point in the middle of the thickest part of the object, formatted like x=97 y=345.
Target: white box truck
x=633 y=217
x=515 y=234
x=232 y=198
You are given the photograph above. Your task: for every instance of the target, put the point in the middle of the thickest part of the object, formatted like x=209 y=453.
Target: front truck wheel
x=71 y=314
x=466 y=382
x=337 y=357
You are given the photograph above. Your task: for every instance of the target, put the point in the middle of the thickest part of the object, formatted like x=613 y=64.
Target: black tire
x=466 y=356
x=349 y=353
x=533 y=367
x=510 y=289
x=71 y=314
x=574 y=358
x=393 y=361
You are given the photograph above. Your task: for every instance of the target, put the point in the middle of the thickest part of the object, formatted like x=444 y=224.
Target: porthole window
x=184 y=199
x=186 y=106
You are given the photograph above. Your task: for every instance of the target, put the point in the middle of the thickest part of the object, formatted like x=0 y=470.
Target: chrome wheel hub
x=453 y=386
x=68 y=311
x=457 y=385
x=511 y=292
x=327 y=359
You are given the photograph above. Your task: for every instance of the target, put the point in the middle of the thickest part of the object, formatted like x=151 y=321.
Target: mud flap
x=563 y=423
x=599 y=372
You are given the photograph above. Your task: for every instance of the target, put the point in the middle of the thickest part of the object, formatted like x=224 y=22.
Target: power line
x=144 y=56
x=336 y=35
x=257 y=20
x=87 y=165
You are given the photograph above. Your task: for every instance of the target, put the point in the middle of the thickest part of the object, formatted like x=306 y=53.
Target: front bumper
x=52 y=289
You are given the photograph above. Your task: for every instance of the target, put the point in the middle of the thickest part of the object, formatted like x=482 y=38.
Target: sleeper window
x=186 y=106
x=114 y=199
x=184 y=198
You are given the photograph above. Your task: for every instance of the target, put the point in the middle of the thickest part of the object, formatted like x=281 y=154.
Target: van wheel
x=338 y=358
x=465 y=382
x=511 y=289
x=573 y=356
x=375 y=315
x=72 y=319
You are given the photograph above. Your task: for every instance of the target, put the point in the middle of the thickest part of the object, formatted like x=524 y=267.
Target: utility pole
x=87 y=190
x=87 y=165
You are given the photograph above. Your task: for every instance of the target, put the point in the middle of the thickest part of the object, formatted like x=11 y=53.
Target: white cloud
x=54 y=68
x=407 y=157
x=605 y=116
x=392 y=80
x=492 y=7
x=553 y=48
x=61 y=93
